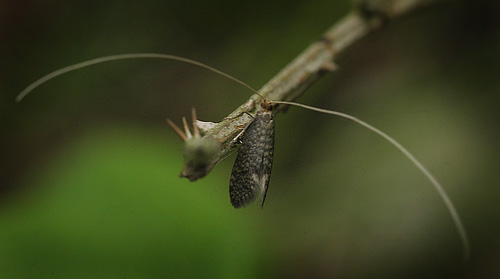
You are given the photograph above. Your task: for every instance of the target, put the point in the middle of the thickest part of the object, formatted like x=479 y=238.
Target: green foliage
x=108 y=202
x=107 y=208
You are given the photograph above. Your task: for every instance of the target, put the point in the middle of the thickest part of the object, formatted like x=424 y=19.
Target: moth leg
x=249 y=105
x=239 y=115
x=225 y=157
x=237 y=139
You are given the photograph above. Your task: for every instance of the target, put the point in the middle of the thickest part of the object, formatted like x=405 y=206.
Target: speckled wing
x=252 y=167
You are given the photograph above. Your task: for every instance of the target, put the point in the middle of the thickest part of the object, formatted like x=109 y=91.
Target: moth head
x=267 y=105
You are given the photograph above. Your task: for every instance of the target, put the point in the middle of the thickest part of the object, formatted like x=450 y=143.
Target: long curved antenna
x=120 y=57
x=442 y=193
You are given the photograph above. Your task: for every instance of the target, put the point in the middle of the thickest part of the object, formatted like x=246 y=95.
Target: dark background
x=89 y=168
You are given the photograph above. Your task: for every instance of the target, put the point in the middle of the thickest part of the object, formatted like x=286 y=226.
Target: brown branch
x=292 y=81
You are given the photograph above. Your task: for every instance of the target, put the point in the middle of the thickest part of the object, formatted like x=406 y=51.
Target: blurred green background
x=89 y=176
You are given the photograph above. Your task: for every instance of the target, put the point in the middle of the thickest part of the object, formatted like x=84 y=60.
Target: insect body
x=252 y=167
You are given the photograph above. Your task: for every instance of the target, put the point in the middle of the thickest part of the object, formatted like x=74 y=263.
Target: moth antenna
x=263 y=99
x=177 y=130
x=437 y=186
x=103 y=59
x=442 y=193
x=186 y=128
x=196 y=131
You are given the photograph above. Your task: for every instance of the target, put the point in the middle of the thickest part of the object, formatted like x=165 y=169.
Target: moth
x=252 y=168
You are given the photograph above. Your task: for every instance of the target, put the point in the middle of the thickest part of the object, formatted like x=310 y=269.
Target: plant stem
x=317 y=59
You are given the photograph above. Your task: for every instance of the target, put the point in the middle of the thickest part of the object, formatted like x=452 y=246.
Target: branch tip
x=177 y=130
x=196 y=131
x=186 y=128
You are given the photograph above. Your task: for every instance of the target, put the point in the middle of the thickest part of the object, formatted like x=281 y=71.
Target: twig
x=292 y=81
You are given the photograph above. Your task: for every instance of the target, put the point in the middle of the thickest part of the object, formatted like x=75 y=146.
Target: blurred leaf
x=112 y=205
